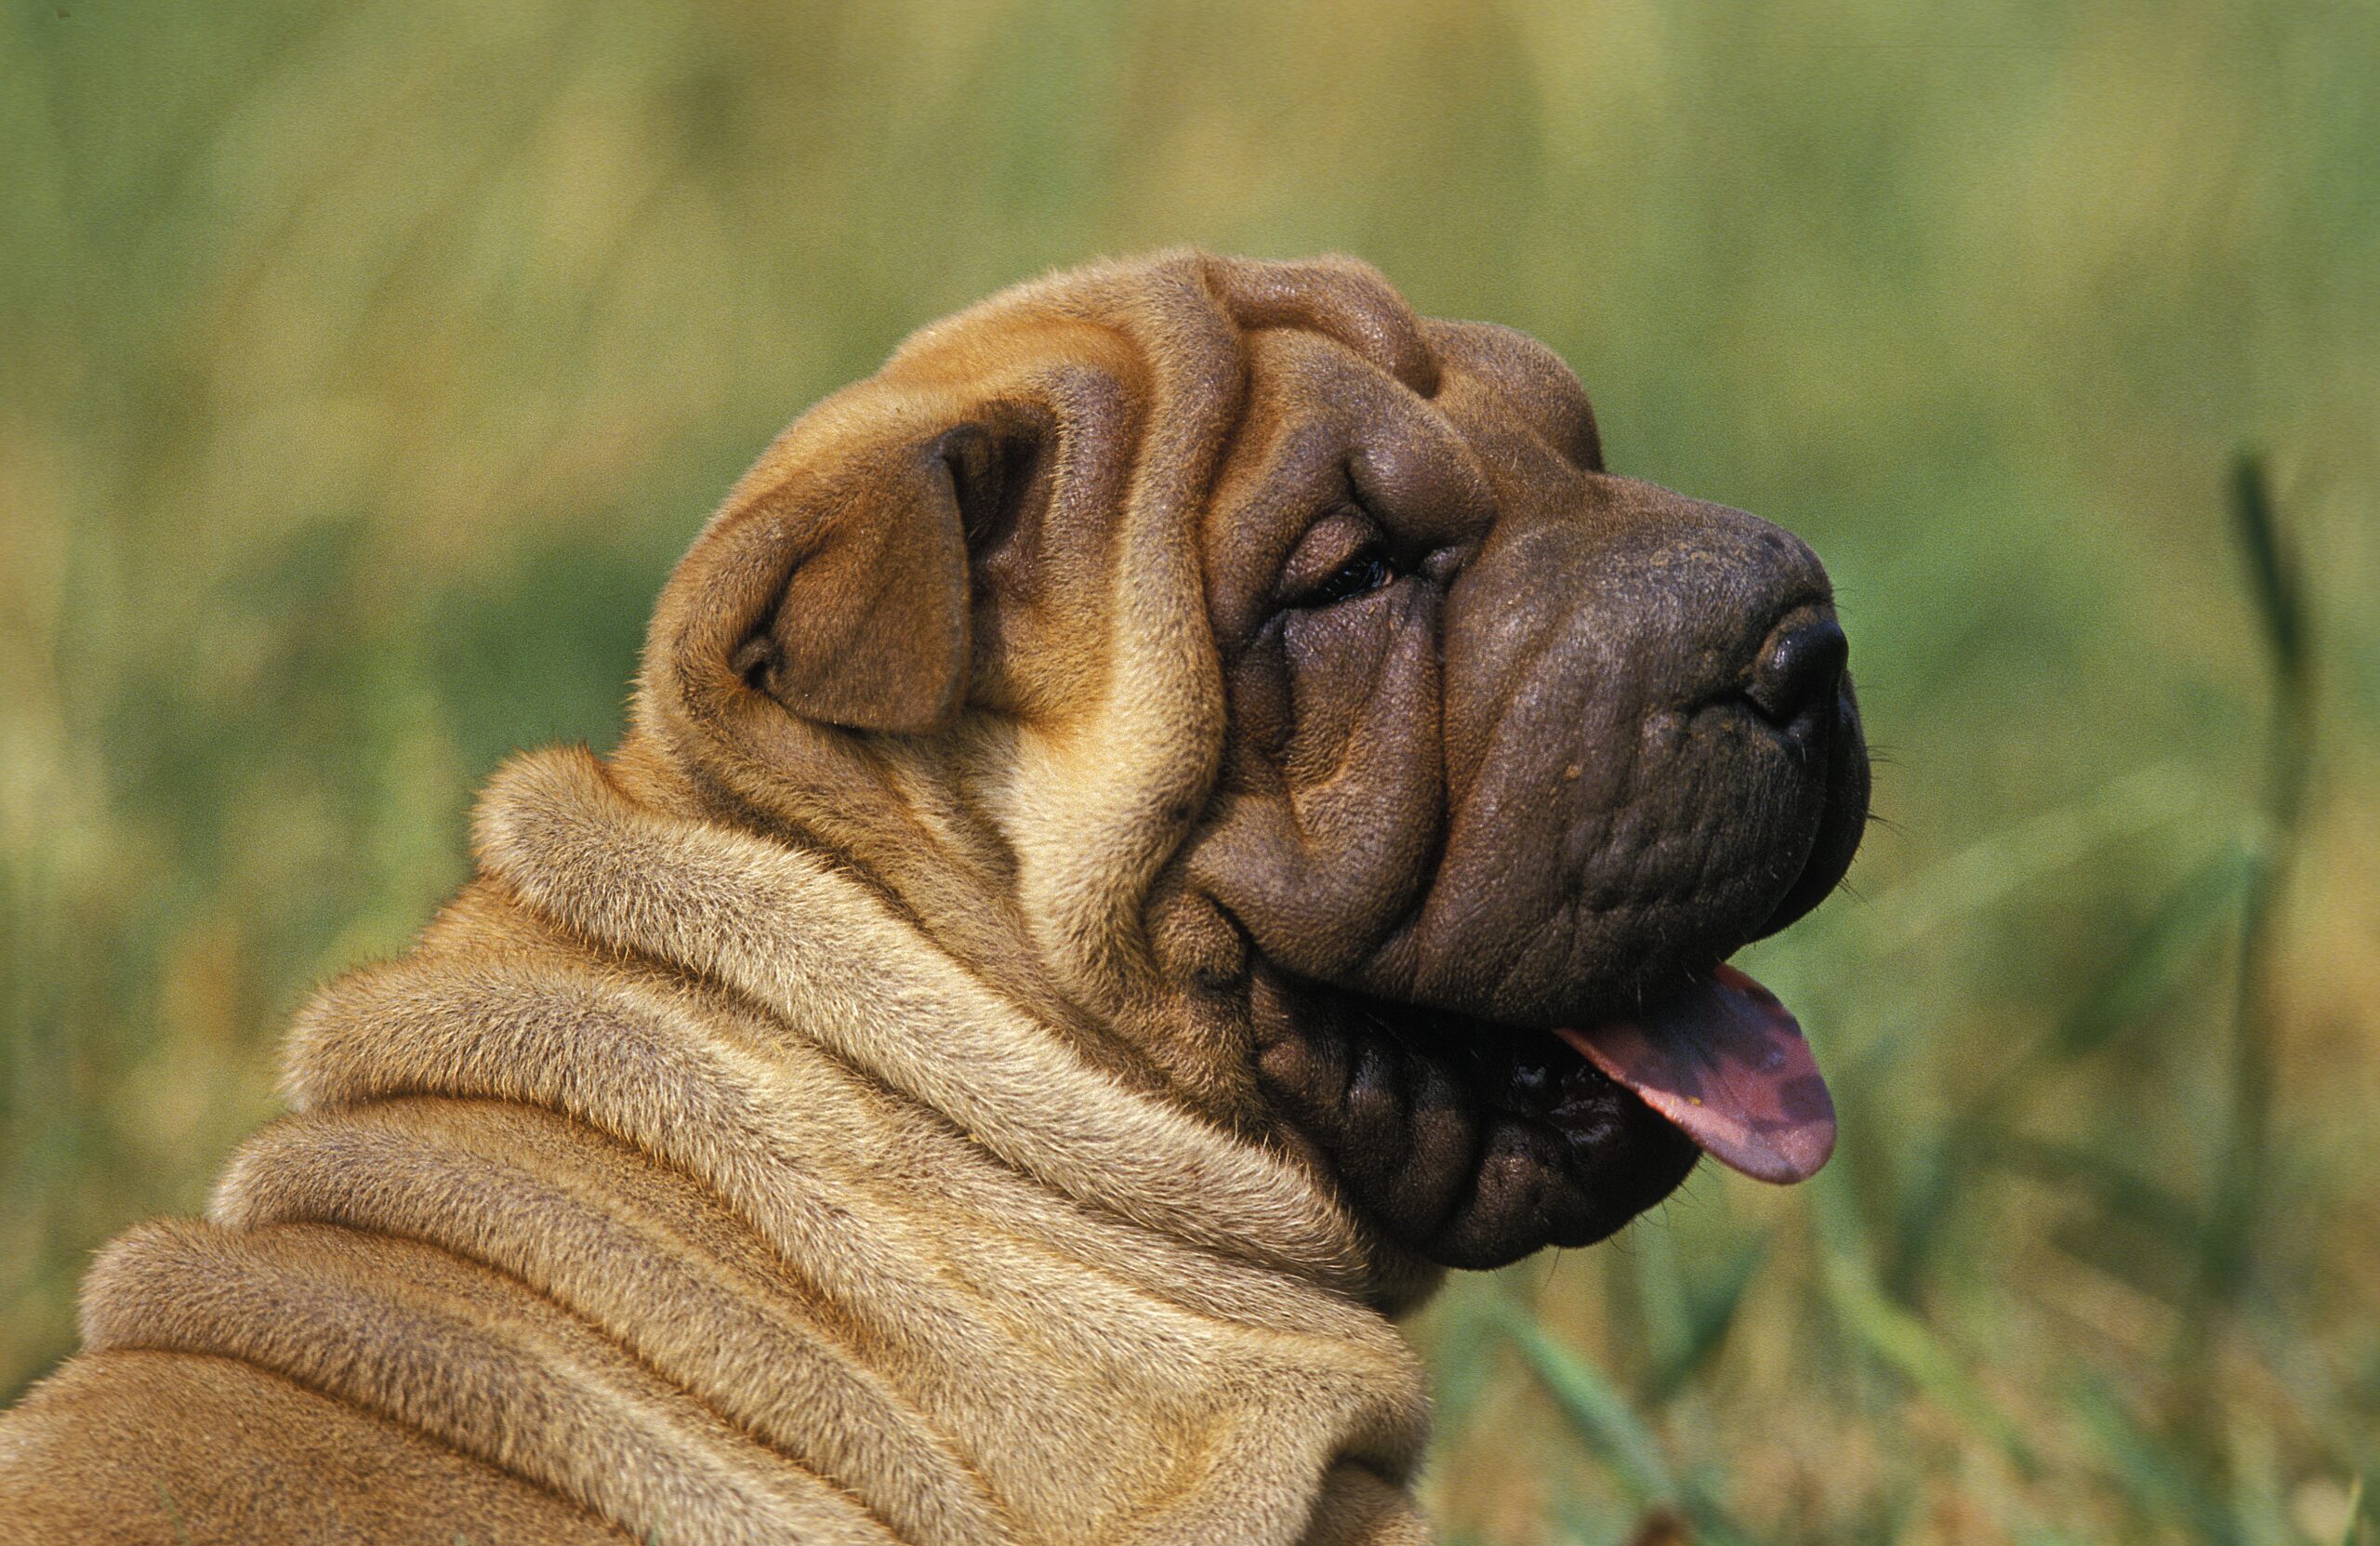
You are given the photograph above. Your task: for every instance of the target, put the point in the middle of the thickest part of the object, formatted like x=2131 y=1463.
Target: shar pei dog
x=1184 y=806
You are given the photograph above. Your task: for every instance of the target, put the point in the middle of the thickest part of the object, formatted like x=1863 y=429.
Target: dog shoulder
x=180 y=1449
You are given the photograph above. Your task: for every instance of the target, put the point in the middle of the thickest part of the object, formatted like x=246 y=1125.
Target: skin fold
x=1115 y=808
x=1517 y=780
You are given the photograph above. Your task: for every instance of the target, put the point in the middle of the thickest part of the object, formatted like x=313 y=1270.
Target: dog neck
x=811 y=947
x=774 y=1209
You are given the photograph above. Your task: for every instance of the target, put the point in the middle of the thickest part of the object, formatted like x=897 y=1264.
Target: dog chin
x=1469 y=1142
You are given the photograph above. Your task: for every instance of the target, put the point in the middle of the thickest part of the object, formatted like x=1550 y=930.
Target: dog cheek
x=1441 y=1153
x=1303 y=1067
x=1378 y=1136
x=1323 y=859
x=1191 y=940
x=1542 y=782
x=1334 y=660
x=1504 y=1218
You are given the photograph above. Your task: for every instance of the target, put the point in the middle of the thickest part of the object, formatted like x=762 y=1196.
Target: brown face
x=1513 y=746
x=1271 y=690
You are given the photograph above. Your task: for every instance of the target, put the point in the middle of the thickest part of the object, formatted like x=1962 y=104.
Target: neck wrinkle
x=703 y=1093
x=818 y=950
x=910 y=881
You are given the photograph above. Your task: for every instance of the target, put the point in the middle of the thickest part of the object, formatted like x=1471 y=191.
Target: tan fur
x=793 y=1133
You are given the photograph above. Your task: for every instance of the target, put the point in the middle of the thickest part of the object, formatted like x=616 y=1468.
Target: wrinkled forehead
x=1505 y=421
x=1507 y=380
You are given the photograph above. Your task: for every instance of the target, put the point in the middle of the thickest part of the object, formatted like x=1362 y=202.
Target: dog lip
x=1836 y=842
x=1541 y=1075
x=1528 y=1144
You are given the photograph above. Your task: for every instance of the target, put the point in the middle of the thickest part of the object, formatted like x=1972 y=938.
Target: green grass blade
x=1659 y=1293
x=1461 y=1356
x=2353 y=1530
x=2156 y=1476
x=1707 y=1313
x=2003 y=863
x=2147 y=973
x=1927 y=1205
x=1611 y=1431
x=2154 y=965
x=1898 y=1339
x=2230 y=1248
x=1596 y=1412
x=2272 y=575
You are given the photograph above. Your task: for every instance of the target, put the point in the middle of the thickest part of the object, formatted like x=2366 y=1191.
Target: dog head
x=1274 y=691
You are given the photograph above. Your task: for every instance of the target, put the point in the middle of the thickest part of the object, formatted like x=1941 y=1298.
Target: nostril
x=1799 y=668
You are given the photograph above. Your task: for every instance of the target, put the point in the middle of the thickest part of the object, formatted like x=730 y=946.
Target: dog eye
x=1360 y=576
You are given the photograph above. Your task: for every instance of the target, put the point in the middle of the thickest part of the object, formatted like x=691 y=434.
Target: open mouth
x=1727 y=1065
x=1475 y=1143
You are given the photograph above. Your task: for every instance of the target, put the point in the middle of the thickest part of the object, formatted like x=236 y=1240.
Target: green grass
x=365 y=367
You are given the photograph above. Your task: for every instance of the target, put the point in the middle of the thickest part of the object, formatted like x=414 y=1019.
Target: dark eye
x=1360 y=576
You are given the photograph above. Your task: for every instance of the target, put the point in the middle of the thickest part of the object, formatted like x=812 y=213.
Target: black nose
x=1800 y=668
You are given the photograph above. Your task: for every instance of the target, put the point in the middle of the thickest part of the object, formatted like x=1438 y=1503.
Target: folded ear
x=870 y=631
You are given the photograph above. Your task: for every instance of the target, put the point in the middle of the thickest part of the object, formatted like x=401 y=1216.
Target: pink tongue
x=1727 y=1063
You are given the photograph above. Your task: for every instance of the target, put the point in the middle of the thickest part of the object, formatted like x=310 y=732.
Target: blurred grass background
x=366 y=366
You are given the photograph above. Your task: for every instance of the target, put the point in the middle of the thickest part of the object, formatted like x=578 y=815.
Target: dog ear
x=870 y=631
